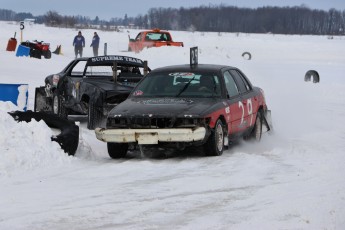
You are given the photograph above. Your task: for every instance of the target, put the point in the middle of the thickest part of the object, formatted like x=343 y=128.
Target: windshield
x=179 y=84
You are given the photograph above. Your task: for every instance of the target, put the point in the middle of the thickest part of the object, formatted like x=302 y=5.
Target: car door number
x=249 y=108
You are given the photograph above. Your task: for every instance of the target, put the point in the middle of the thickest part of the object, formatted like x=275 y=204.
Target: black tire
x=95 y=116
x=312 y=74
x=257 y=130
x=47 y=54
x=215 y=143
x=117 y=150
x=57 y=106
x=247 y=55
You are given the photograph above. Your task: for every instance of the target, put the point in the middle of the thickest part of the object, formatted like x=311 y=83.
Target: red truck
x=151 y=38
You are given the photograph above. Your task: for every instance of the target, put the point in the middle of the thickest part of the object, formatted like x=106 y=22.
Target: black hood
x=166 y=107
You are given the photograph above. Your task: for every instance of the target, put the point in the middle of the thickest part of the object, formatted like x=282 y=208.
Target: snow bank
x=26 y=146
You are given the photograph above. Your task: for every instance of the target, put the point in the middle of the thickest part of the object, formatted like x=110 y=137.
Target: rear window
x=98 y=71
x=152 y=36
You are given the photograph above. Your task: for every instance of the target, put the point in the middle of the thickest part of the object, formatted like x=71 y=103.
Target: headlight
x=56 y=79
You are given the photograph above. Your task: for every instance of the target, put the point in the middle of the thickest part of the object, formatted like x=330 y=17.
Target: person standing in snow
x=79 y=44
x=95 y=44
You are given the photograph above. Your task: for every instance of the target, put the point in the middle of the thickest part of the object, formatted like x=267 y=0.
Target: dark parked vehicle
x=90 y=86
x=187 y=105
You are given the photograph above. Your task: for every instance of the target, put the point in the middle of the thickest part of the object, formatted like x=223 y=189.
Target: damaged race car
x=187 y=105
x=90 y=87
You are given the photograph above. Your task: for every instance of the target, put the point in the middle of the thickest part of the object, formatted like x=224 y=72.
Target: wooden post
x=21 y=30
x=105 y=49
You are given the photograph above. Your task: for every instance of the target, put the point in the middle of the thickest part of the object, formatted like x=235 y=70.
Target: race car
x=90 y=87
x=187 y=105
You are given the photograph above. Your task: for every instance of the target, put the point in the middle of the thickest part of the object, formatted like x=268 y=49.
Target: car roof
x=187 y=67
x=110 y=59
x=156 y=31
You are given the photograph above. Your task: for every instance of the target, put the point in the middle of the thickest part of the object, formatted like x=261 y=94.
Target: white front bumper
x=150 y=136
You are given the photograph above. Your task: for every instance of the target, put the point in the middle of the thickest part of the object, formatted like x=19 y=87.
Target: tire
x=257 y=130
x=312 y=74
x=215 y=143
x=117 y=150
x=247 y=55
x=57 y=106
x=47 y=54
x=94 y=117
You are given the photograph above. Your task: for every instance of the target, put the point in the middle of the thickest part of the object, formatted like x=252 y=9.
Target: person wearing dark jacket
x=95 y=44
x=79 y=44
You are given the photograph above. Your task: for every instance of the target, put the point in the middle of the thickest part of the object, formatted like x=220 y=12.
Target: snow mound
x=26 y=146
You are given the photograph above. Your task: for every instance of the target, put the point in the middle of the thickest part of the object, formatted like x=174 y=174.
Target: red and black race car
x=187 y=105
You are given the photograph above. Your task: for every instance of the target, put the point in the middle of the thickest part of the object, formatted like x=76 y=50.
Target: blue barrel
x=23 y=51
x=16 y=93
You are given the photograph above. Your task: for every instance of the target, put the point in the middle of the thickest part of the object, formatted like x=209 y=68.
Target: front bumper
x=150 y=136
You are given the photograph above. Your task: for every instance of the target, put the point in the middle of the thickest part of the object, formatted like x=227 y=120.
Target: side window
x=138 y=38
x=230 y=85
x=78 y=69
x=241 y=81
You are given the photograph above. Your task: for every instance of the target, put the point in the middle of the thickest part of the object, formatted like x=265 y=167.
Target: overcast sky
x=106 y=9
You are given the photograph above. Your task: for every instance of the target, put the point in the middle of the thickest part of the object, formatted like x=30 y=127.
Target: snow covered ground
x=293 y=179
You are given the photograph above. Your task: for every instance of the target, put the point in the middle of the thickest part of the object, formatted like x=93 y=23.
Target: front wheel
x=117 y=150
x=58 y=107
x=215 y=143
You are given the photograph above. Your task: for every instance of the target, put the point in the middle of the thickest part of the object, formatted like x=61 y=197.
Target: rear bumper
x=150 y=136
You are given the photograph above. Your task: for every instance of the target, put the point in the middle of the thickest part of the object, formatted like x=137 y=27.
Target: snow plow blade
x=68 y=139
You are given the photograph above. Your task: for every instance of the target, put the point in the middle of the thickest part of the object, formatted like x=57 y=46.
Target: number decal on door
x=249 y=109
x=240 y=104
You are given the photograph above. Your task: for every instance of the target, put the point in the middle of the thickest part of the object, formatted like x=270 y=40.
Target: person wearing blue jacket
x=95 y=44
x=79 y=44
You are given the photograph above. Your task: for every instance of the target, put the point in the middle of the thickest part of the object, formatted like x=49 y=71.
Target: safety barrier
x=16 y=93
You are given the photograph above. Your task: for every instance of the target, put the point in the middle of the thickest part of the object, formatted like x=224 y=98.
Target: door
x=249 y=101
x=235 y=104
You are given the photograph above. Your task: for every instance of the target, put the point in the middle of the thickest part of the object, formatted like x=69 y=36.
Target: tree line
x=212 y=18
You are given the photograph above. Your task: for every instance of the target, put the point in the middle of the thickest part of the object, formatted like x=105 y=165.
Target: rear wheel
x=47 y=54
x=257 y=130
x=215 y=143
x=117 y=150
